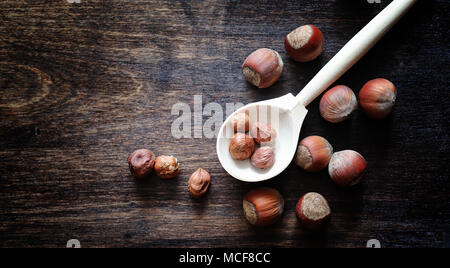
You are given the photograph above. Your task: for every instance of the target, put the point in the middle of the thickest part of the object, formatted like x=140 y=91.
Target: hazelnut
x=313 y=153
x=346 y=168
x=337 y=104
x=263 y=206
x=264 y=157
x=141 y=163
x=313 y=211
x=241 y=146
x=377 y=97
x=263 y=133
x=198 y=183
x=263 y=67
x=241 y=122
x=304 y=43
x=167 y=167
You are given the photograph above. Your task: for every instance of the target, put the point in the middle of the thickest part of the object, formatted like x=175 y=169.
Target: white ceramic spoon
x=286 y=114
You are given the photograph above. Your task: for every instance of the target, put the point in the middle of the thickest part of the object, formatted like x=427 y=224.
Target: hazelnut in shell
x=377 y=98
x=263 y=206
x=264 y=157
x=263 y=67
x=313 y=211
x=198 y=183
x=167 y=167
x=241 y=146
x=346 y=168
x=141 y=163
x=337 y=104
x=313 y=153
x=305 y=43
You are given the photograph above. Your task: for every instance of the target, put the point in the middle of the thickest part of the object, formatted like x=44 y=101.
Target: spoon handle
x=355 y=49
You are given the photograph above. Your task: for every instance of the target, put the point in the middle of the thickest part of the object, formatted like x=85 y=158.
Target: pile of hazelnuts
x=143 y=162
x=262 y=68
x=242 y=146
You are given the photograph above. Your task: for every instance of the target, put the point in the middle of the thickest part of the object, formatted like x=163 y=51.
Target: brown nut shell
x=263 y=206
x=241 y=146
x=264 y=157
x=337 y=104
x=263 y=67
x=346 y=168
x=141 y=163
x=198 y=183
x=313 y=153
x=263 y=133
x=377 y=98
x=167 y=167
x=305 y=43
x=313 y=211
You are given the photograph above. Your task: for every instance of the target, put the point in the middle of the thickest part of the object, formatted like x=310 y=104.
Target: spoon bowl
x=285 y=121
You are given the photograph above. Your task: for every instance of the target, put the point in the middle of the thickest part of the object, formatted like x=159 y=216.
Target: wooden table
x=82 y=85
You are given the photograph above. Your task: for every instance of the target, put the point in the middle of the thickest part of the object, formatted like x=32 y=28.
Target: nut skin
x=263 y=206
x=313 y=211
x=263 y=67
x=337 y=104
x=263 y=133
x=377 y=98
x=313 y=153
x=346 y=168
x=241 y=146
x=305 y=43
x=241 y=122
x=167 y=167
x=141 y=163
x=198 y=183
x=264 y=157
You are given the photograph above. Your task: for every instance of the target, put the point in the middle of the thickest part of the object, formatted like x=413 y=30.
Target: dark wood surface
x=83 y=85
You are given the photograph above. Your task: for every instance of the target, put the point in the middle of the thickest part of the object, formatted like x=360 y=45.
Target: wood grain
x=83 y=85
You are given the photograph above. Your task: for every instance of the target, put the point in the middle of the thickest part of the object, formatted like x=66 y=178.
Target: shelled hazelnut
x=263 y=206
x=167 y=167
x=263 y=133
x=241 y=146
x=264 y=157
x=263 y=67
x=241 y=122
x=198 y=183
x=141 y=163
